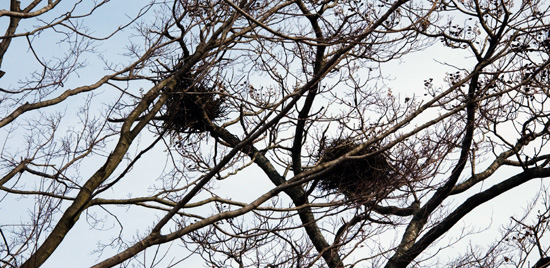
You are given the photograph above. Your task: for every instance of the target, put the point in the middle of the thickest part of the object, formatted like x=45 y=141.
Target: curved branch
x=24 y=14
x=472 y=203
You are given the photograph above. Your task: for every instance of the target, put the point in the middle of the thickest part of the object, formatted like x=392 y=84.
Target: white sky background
x=408 y=76
x=81 y=241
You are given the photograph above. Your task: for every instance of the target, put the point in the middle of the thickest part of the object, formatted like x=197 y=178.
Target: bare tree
x=265 y=133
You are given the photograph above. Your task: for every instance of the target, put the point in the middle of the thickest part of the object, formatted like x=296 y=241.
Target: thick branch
x=469 y=205
x=81 y=201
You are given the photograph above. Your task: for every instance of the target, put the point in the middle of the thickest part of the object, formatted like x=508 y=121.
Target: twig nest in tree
x=363 y=179
x=190 y=106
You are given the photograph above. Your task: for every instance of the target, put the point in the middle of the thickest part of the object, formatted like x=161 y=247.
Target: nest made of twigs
x=358 y=179
x=190 y=106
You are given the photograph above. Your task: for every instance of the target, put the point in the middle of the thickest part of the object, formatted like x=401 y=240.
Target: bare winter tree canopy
x=253 y=133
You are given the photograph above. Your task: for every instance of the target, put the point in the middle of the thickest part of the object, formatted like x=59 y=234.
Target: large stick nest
x=366 y=178
x=190 y=106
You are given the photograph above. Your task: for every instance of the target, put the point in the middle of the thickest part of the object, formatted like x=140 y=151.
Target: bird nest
x=358 y=179
x=191 y=106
